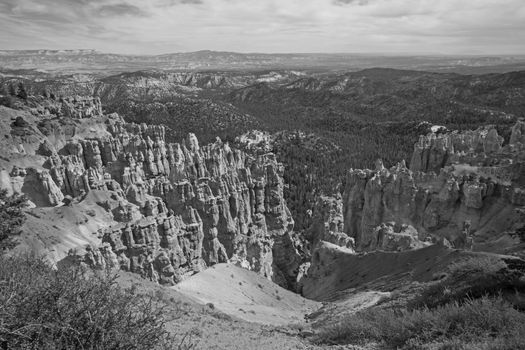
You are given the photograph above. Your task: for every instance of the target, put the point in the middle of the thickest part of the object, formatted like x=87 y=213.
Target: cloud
x=160 y=26
x=121 y=9
x=351 y=2
x=189 y=2
x=169 y=3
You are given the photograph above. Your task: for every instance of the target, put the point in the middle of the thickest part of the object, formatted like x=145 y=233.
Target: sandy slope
x=56 y=230
x=209 y=328
x=246 y=295
x=340 y=271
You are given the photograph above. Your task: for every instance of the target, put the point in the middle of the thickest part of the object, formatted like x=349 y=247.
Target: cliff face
x=459 y=185
x=178 y=207
x=213 y=204
x=328 y=224
x=432 y=152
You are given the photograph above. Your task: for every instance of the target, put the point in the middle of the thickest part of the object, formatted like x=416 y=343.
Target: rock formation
x=293 y=251
x=433 y=151
x=328 y=224
x=456 y=180
x=178 y=207
x=223 y=205
x=397 y=238
x=81 y=107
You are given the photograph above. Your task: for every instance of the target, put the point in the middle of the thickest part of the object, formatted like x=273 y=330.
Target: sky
x=478 y=27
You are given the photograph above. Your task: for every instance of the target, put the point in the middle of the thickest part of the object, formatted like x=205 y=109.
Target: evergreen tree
x=5 y=97
x=12 y=90
x=22 y=93
x=11 y=217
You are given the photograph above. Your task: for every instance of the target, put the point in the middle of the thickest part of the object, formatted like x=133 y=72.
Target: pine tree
x=12 y=217
x=22 y=93
x=5 y=97
x=3 y=91
x=12 y=90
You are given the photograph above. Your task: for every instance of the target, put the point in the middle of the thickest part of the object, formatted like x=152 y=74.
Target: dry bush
x=475 y=277
x=485 y=323
x=473 y=307
x=41 y=308
x=11 y=218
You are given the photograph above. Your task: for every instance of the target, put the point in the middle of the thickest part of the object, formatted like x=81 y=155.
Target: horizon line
x=392 y=54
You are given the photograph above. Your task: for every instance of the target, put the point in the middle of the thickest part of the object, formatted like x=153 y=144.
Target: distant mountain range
x=91 y=60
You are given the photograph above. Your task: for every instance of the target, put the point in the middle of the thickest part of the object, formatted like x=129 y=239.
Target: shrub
x=11 y=217
x=473 y=278
x=22 y=93
x=41 y=308
x=485 y=323
x=7 y=100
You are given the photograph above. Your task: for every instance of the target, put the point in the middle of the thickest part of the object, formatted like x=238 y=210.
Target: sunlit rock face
x=211 y=204
x=177 y=207
x=459 y=185
x=397 y=238
x=433 y=151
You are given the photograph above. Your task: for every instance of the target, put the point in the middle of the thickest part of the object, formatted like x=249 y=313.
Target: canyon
x=173 y=209
x=213 y=221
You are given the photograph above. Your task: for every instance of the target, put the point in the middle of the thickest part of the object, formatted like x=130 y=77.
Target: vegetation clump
x=71 y=308
x=476 y=305
x=476 y=277
x=485 y=323
x=11 y=217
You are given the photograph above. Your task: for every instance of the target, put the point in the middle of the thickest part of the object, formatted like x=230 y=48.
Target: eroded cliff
x=461 y=186
x=174 y=208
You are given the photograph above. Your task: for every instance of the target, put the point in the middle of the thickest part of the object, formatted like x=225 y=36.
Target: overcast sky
x=163 y=26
